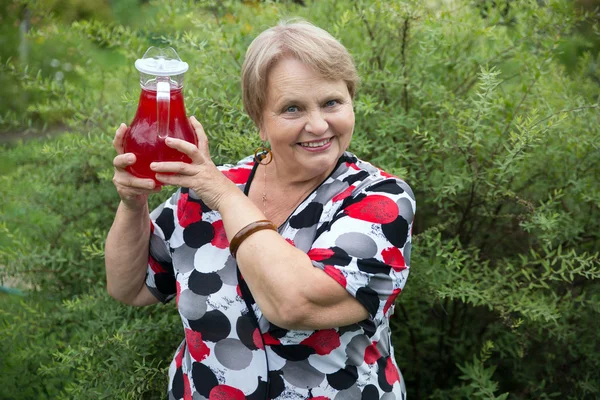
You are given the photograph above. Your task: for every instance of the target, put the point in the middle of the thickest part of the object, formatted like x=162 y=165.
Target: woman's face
x=307 y=119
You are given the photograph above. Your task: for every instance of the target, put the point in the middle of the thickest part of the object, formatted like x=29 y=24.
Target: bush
x=468 y=102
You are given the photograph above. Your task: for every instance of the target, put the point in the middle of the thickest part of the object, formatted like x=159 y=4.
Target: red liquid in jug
x=142 y=137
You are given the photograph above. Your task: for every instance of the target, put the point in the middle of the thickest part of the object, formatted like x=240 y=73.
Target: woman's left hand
x=201 y=176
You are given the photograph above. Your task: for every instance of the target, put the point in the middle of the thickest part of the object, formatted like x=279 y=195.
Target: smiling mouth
x=315 y=144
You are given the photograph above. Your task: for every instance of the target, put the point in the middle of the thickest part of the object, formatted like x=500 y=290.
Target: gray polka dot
x=370 y=168
x=357 y=245
x=198 y=396
x=183 y=258
x=302 y=374
x=406 y=253
x=382 y=284
x=383 y=345
x=160 y=251
x=303 y=239
x=228 y=273
x=352 y=393
x=329 y=191
x=191 y=305
x=171 y=396
x=355 y=351
x=407 y=189
x=233 y=354
x=405 y=209
x=388 y=396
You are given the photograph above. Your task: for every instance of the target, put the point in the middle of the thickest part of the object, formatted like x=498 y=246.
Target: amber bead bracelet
x=248 y=230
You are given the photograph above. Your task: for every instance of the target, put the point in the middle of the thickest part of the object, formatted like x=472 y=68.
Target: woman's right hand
x=132 y=190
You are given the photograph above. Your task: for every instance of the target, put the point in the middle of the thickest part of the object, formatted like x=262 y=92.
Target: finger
x=124 y=160
x=200 y=134
x=176 y=167
x=118 y=140
x=172 y=180
x=187 y=148
x=127 y=182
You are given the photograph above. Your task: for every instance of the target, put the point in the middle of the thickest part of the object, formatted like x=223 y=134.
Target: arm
x=126 y=257
x=126 y=248
x=291 y=292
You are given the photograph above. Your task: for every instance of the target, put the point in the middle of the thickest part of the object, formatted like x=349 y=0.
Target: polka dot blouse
x=356 y=227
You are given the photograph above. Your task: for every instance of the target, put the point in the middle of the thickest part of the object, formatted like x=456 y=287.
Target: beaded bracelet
x=248 y=230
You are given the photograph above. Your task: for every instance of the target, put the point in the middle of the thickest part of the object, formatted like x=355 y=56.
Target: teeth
x=315 y=144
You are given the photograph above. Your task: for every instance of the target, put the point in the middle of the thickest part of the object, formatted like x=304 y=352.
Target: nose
x=316 y=124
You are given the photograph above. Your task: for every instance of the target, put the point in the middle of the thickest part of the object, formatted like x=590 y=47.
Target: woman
x=285 y=267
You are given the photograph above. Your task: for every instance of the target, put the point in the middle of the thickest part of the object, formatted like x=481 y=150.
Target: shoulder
x=240 y=172
x=364 y=178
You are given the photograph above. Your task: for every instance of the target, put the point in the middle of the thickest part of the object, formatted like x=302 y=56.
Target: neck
x=280 y=196
x=280 y=176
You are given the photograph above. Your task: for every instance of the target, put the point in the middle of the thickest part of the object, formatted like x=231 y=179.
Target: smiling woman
x=285 y=268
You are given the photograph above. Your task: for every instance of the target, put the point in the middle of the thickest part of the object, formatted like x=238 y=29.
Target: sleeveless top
x=356 y=227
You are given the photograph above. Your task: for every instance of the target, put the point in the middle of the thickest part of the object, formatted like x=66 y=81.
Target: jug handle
x=163 y=108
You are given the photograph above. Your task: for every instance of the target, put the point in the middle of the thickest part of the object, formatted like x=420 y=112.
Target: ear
x=262 y=134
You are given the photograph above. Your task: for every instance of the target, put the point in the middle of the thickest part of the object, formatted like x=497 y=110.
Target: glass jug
x=160 y=113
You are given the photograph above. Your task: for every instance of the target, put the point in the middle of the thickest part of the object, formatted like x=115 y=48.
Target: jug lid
x=161 y=62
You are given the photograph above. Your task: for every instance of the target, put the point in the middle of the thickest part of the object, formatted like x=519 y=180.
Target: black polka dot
x=396 y=231
x=276 y=384
x=165 y=283
x=373 y=266
x=370 y=392
x=293 y=352
x=359 y=176
x=348 y=328
x=276 y=331
x=339 y=257
x=178 y=387
x=204 y=379
x=368 y=327
x=348 y=201
x=309 y=216
x=350 y=158
x=166 y=222
x=368 y=298
x=198 y=234
x=388 y=186
x=213 y=326
x=204 y=284
x=343 y=378
x=245 y=327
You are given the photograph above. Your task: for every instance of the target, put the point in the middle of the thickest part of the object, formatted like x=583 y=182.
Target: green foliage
x=470 y=103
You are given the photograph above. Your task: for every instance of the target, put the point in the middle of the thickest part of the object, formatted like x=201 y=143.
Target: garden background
x=487 y=108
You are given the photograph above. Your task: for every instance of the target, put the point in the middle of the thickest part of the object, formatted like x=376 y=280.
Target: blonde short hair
x=303 y=41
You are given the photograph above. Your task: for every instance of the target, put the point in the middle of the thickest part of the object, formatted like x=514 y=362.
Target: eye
x=291 y=109
x=332 y=103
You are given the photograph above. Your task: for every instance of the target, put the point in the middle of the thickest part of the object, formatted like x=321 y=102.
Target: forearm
x=126 y=253
x=274 y=270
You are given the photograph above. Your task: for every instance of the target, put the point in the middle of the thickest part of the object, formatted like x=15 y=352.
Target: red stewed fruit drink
x=142 y=137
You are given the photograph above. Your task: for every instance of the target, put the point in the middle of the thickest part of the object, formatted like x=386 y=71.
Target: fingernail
x=152 y=165
x=130 y=158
